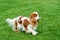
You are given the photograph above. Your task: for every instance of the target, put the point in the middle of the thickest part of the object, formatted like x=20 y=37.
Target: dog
x=27 y=24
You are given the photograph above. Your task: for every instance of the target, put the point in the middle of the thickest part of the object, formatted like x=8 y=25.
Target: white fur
x=11 y=22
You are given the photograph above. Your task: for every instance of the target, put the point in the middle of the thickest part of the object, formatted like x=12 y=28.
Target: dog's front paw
x=34 y=33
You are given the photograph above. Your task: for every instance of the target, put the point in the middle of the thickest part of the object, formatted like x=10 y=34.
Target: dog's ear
x=31 y=16
x=34 y=21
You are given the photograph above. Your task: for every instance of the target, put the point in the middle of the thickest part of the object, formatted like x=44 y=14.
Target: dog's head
x=35 y=15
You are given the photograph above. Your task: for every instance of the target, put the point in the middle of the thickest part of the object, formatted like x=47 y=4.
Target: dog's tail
x=10 y=22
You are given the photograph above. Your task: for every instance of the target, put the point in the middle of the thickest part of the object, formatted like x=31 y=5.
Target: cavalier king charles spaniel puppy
x=27 y=24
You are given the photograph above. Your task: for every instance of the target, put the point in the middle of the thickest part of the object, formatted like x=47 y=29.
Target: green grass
x=49 y=25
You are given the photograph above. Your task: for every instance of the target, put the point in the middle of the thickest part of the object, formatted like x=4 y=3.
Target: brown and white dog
x=27 y=24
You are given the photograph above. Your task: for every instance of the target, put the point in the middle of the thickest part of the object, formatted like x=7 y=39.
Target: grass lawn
x=49 y=25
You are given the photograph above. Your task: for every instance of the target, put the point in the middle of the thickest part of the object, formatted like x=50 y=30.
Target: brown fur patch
x=16 y=24
x=33 y=21
x=20 y=21
x=33 y=15
x=26 y=23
